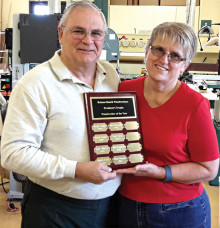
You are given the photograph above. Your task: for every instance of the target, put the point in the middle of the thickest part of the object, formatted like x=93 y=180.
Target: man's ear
x=60 y=34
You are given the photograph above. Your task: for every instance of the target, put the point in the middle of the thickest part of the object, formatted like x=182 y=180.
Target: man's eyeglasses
x=80 y=34
x=159 y=52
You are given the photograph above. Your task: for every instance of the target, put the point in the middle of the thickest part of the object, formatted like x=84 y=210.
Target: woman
x=180 y=142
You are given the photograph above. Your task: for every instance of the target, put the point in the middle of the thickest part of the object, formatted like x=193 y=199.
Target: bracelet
x=168 y=174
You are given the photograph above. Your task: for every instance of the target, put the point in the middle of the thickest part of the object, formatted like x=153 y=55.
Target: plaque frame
x=112 y=108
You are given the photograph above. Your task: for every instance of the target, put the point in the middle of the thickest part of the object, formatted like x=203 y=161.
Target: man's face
x=84 y=51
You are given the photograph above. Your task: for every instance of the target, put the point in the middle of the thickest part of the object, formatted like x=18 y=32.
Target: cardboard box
x=176 y=2
x=148 y=2
x=118 y=2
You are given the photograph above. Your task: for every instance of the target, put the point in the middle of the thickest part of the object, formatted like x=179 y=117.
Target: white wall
x=146 y=17
x=10 y=7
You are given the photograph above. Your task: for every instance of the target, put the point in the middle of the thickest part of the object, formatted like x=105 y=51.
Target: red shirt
x=181 y=130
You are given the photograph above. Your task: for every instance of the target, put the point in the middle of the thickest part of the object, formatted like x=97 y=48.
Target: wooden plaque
x=114 y=131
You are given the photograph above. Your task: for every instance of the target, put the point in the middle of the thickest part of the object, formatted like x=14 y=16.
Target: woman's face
x=160 y=68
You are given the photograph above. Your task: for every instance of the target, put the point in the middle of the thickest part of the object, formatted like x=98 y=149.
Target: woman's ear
x=146 y=55
x=185 y=66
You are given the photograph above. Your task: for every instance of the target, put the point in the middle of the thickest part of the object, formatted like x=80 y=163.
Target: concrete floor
x=13 y=219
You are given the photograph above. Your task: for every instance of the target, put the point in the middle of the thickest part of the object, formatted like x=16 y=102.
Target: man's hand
x=94 y=172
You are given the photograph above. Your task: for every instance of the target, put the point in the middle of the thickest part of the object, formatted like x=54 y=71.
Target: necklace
x=154 y=103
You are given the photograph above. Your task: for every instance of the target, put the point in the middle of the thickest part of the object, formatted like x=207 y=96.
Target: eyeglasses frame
x=168 y=55
x=85 y=33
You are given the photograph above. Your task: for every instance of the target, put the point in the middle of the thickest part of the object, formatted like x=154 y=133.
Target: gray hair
x=178 y=32
x=81 y=4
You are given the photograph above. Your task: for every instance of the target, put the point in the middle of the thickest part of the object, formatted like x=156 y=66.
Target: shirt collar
x=61 y=71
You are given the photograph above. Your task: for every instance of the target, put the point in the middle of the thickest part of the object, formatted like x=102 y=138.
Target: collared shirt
x=45 y=132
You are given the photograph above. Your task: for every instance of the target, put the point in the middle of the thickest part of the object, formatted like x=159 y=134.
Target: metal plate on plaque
x=99 y=127
x=104 y=149
x=118 y=148
x=104 y=160
x=100 y=138
x=117 y=137
x=136 y=158
x=122 y=159
x=133 y=136
x=132 y=147
x=131 y=125
x=116 y=126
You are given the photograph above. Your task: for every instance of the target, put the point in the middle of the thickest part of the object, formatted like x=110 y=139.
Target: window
x=41 y=7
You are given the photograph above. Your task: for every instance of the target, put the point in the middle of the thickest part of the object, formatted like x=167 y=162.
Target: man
x=45 y=135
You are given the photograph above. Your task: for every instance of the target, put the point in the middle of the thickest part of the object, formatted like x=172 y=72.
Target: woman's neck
x=156 y=94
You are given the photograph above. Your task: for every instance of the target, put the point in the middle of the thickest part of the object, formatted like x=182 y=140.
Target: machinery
x=215 y=85
x=209 y=86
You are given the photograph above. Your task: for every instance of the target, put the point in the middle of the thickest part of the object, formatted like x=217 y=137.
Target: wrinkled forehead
x=86 y=16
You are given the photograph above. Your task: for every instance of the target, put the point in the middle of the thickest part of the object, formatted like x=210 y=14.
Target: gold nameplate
x=99 y=127
x=131 y=125
x=104 y=149
x=133 y=136
x=132 y=147
x=117 y=137
x=136 y=158
x=118 y=148
x=104 y=160
x=116 y=126
x=100 y=138
x=122 y=159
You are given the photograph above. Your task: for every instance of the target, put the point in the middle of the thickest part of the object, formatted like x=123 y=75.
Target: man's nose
x=87 y=38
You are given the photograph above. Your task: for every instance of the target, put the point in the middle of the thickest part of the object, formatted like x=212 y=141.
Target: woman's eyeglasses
x=172 y=56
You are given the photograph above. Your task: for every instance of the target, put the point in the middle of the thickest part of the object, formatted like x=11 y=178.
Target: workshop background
x=130 y=23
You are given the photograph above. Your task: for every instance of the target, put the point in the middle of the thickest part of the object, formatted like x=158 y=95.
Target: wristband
x=168 y=174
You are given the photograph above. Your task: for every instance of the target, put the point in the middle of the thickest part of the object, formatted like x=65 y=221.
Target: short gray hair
x=178 y=32
x=81 y=4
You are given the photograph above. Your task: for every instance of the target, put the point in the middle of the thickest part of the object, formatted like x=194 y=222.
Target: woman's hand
x=148 y=170
x=185 y=173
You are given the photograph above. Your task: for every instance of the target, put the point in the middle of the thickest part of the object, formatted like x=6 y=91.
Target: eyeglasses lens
x=81 y=34
x=159 y=52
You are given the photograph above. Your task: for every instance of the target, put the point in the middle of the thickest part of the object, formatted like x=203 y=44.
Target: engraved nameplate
x=116 y=126
x=118 y=148
x=99 y=127
x=100 y=138
x=117 y=137
x=104 y=160
x=104 y=149
x=122 y=159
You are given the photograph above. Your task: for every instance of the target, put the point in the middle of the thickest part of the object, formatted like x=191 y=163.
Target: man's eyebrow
x=78 y=27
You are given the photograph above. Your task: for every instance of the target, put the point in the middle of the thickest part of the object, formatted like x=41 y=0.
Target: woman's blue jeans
x=194 y=213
